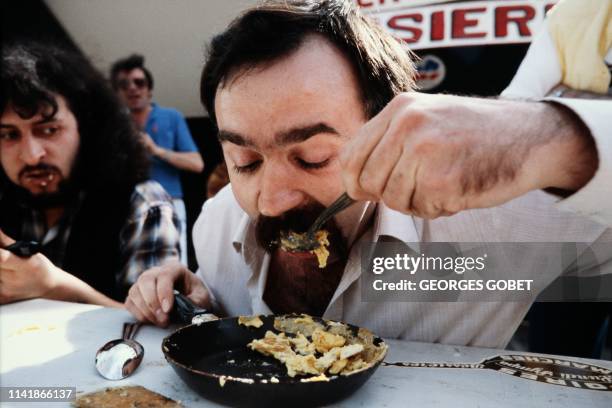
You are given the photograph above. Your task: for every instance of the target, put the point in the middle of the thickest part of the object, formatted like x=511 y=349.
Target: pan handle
x=187 y=312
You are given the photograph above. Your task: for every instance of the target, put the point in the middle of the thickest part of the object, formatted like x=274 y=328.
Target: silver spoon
x=307 y=241
x=118 y=359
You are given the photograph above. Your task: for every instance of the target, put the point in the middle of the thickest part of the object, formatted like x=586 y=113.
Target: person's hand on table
x=151 y=298
x=25 y=278
x=436 y=155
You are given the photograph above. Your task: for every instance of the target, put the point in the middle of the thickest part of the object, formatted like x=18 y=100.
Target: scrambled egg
x=325 y=341
x=295 y=242
x=250 y=321
x=321 y=251
x=302 y=345
x=308 y=347
x=321 y=377
x=279 y=347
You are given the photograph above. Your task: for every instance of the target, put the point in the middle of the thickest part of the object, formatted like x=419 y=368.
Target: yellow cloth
x=582 y=33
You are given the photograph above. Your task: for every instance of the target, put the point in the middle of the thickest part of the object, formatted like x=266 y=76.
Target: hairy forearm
x=567 y=157
x=188 y=161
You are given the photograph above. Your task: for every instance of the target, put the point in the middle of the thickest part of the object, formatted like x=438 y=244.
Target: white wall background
x=171 y=34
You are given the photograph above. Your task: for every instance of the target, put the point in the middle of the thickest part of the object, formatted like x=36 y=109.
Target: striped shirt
x=149 y=237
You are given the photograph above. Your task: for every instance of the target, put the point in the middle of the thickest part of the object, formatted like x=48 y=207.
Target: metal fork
x=130 y=330
x=340 y=204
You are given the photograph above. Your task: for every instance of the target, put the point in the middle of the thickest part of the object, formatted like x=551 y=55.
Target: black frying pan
x=202 y=354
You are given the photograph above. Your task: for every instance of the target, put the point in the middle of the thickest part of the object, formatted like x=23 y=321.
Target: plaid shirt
x=149 y=237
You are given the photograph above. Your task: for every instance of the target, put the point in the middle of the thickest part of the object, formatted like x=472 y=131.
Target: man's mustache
x=39 y=168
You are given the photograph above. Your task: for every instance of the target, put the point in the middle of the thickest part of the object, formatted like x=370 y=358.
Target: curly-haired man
x=73 y=179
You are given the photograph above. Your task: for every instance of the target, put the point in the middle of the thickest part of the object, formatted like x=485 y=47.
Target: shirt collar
x=241 y=232
x=395 y=224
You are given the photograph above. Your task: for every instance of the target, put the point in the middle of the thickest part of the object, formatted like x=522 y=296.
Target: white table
x=49 y=343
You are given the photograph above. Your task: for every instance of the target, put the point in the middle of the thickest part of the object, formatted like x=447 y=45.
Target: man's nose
x=279 y=191
x=31 y=150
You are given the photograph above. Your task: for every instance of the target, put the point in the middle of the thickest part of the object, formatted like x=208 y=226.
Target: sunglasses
x=124 y=84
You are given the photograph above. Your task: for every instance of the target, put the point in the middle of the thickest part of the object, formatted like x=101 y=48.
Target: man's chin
x=41 y=200
x=41 y=191
x=136 y=105
x=47 y=200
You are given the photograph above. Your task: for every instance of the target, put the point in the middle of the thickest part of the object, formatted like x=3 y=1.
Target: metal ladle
x=118 y=358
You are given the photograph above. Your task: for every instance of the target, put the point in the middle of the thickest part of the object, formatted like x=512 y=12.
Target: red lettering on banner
x=395 y=24
x=460 y=22
x=548 y=7
x=437 y=26
x=503 y=19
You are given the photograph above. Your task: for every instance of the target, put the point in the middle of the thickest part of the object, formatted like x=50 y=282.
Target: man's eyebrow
x=235 y=138
x=38 y=122
x=300 y=134
x=46 y=120
x=295 y=135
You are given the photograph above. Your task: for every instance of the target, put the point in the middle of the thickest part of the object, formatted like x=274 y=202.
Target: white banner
x=459 y=23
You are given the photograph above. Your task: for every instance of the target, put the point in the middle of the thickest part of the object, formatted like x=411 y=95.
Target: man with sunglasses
x=164 y=132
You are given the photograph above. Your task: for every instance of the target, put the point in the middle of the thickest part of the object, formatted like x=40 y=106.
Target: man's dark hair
x=277 y=28
x=127 y=64
x=111 y=154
